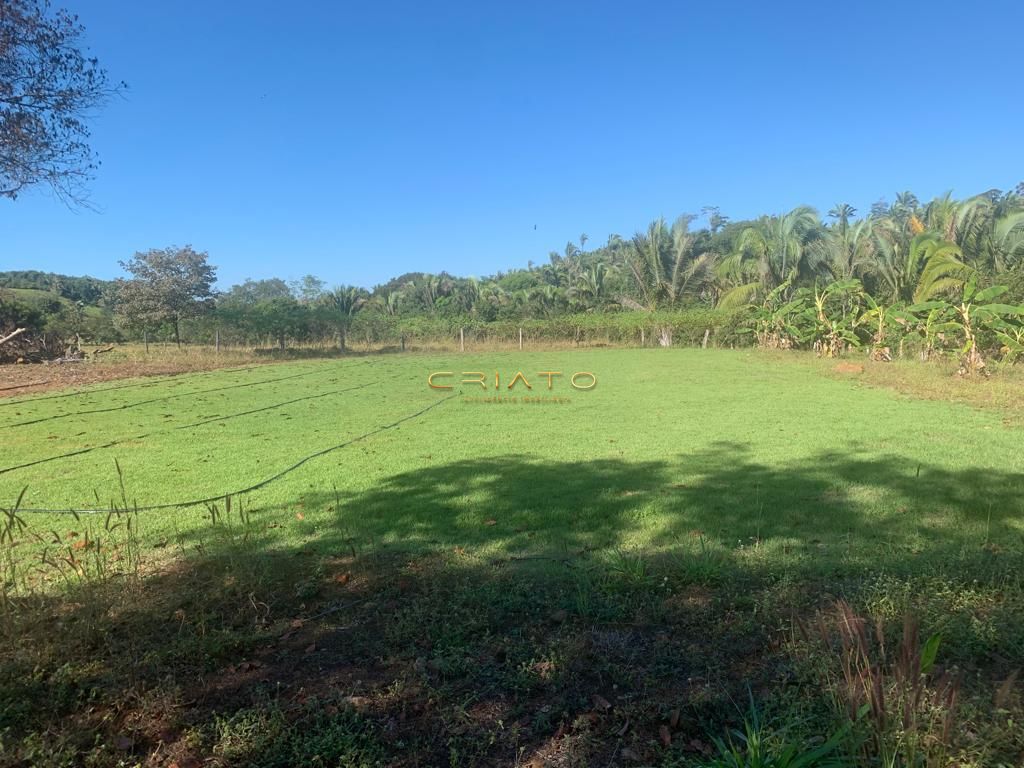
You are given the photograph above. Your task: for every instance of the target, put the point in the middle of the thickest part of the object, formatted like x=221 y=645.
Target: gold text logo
x=578 y=380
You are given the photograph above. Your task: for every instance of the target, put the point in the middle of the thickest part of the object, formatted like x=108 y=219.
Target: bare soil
x=27 y=379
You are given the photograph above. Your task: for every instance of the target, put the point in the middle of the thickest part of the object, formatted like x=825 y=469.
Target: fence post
x=462 y=339
x=145 y=340
x=216 y=340
x=704 y=344
x=520 y=338
x=642 y=336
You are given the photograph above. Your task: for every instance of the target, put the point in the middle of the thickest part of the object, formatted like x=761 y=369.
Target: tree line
x=946 y=275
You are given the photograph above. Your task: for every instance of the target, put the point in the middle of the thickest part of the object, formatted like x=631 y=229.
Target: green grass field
x=731 y=444
x=679 y=521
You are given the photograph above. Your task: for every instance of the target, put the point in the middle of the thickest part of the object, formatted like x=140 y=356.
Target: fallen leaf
x=665 y=736
x=673 y=718
x=297 y=623
x=299 y=516
x=342 y=578
x=310 y=648
x=628 y=753
x=600 y=702
x=492 y=521
x=559 y=616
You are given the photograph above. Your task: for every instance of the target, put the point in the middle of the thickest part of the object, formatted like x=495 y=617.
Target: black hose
x=262 y=483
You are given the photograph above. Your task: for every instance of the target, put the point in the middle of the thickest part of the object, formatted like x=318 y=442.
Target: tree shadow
x=515 y=504
x=491 y=610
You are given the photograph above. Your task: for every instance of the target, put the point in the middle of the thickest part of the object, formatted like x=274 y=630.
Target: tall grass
x=904 y=705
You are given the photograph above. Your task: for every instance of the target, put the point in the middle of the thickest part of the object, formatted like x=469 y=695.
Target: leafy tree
x=48 y=87
x=309 y=289
x=167 y=286
x=252 y=291
x=18 y=314
x=283 y=317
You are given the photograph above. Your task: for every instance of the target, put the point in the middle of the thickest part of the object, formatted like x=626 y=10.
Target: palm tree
x=343 y=303
x=547 y=300
x=917 y=270
x=665 y=266
x=853 y=254
x=906 y=205
x=426 y=290
x=387 y=304
x=1008 y=241
x=591 y=287
x=842 y=213
x=774 y=250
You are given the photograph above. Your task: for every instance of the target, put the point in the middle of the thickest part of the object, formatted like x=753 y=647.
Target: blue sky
x=358 y=141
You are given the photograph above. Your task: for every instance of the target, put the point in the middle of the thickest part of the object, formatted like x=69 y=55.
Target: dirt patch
x=18 y=380
x=848 y=368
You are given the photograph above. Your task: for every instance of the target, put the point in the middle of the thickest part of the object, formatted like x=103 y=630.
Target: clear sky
x=358 y=141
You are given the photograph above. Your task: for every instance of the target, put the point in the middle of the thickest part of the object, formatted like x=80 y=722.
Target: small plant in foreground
x=632 y=568
x=757 y=747
x=704 y=566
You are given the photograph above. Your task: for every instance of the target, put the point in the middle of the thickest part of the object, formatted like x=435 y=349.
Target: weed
x=898 y=697
x=757 y=746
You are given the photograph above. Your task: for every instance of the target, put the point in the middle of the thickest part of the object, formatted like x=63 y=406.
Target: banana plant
x=976 y=313
x=1012 y=339
x=833 y=318
x=775 y=322
x=881 y=319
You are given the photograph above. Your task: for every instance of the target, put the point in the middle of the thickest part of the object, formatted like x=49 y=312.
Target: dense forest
x=906 y=278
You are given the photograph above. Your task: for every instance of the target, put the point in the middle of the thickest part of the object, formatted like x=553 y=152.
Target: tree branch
x=10 y=336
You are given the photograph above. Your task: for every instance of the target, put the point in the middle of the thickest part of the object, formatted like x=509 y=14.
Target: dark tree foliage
x=48 y=89
x=17 y=314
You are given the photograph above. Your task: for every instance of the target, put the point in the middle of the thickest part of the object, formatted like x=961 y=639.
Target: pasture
x=371 y=571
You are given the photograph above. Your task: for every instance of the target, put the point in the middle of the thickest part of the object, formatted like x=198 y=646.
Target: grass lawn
x=610 y=579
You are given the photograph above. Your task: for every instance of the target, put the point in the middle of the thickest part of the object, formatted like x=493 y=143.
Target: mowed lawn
x=736 y=448
x=614 y=578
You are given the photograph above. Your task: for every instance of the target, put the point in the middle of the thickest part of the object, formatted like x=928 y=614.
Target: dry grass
x=126 y=362
x=936 y=380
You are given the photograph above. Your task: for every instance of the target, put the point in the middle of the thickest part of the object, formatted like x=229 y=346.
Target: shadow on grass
x=491 y=611
x=847 y=505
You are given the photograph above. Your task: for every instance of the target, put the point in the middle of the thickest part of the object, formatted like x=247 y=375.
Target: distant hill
x=52 y=306
x=30 y=284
